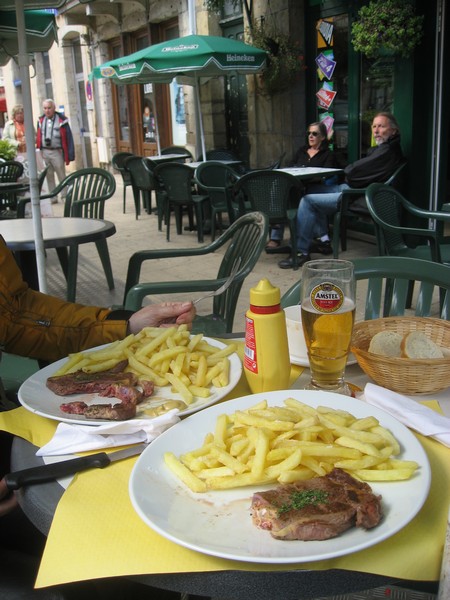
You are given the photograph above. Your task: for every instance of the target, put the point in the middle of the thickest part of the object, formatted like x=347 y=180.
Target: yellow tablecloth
x=96 y=533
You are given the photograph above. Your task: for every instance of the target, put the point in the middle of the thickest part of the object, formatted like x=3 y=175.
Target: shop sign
x=325 y=97
x=325 y=65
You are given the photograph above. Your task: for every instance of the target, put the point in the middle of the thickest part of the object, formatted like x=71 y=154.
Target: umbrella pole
x=198 y=115
x=24 y=66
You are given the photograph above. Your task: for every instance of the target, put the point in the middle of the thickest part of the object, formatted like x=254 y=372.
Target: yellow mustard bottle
x=266 y=353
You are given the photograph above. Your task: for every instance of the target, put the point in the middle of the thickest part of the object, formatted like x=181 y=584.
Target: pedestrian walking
x=55 y=141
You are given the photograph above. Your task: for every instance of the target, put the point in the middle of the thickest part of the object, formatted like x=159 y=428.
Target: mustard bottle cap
x=265 y=294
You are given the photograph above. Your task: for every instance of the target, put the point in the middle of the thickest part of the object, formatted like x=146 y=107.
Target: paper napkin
x=422 y=419
x=80 y=438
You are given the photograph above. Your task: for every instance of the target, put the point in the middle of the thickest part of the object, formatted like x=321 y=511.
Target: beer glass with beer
x=328 y=313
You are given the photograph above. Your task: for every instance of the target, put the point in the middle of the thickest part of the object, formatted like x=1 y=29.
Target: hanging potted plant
x=387 y=27
x=7 y=150
x=285 y=60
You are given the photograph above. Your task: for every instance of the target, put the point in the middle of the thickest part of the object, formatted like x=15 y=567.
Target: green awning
x=41 y=32
x=192 y=55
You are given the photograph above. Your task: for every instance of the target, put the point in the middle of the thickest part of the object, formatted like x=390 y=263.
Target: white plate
x=36 y=397
x=302 y=361
x=219 y=522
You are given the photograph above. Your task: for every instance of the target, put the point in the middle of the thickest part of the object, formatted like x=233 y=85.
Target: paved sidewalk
x=133 y=235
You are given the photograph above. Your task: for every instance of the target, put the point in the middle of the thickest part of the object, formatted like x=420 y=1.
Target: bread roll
x=386 y=343
x=417 y=345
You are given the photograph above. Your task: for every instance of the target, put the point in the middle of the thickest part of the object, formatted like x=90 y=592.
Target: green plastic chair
x=142 y=183
x=160 y=194
x=216 y=180
x=275 y=194
x=117 y=162
x=86 y=193
x=244 y=241
x=392 y=298
x=10 y=171
x=177 y=181
x=353 y=212
x=23 y=201
x=391 y=212
x=178 y=150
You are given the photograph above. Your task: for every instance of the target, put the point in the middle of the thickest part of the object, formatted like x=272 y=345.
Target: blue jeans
x=277 y=231
x=312 y=215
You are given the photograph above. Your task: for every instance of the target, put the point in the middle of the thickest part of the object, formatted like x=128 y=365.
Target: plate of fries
x=194 y=484
x=193 y=370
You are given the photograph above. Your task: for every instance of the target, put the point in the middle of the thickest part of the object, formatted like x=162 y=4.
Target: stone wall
x=276 y=121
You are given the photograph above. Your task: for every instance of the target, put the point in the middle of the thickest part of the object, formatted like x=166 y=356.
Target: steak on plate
x=90 y=383
x=109 y=384
x=316 y=509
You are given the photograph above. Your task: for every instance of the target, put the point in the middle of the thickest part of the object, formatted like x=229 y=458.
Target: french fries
x=284 y=444
x=168 y=357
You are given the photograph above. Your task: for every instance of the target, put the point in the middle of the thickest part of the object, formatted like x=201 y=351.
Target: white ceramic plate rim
x=302 y=361
x=35 y=396
x=219 y=523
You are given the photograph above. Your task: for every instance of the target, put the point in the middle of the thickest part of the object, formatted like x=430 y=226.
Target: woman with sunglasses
x=315 y=153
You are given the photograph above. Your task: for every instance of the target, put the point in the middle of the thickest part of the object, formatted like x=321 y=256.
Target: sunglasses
x=314 y=133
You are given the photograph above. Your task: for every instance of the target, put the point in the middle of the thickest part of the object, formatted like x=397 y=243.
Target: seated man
x=381 y=161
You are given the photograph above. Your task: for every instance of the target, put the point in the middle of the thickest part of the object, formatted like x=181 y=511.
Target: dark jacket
x=379 y=164
x=324 y=158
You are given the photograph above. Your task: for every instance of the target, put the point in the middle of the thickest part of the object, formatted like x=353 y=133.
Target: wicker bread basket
x=404 y=375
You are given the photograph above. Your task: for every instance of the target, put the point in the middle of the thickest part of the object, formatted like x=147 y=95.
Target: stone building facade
x=92 y=33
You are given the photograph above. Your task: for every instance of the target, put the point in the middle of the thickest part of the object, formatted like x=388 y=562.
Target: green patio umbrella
x=191 y=57
x=40 y=31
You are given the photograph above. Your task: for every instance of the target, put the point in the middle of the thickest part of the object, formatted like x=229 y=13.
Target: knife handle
x=53 y=471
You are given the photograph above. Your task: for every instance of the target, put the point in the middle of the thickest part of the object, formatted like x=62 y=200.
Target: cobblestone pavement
x=140 y=234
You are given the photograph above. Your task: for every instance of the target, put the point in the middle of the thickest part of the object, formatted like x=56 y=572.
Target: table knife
x=56 y=470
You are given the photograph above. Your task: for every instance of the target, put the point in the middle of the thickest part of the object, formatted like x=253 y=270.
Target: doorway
x=236 y=103
x=142 y=112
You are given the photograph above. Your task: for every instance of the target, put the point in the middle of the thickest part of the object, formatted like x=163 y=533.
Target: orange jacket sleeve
x=40 y=326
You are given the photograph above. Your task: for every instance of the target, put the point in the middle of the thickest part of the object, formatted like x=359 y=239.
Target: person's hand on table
x=7 y=503
x=164 y=314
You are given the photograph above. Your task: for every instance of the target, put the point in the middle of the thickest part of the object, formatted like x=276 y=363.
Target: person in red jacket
x=55 y=141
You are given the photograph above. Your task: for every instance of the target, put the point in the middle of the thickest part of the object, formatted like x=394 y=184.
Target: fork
x=224 y=286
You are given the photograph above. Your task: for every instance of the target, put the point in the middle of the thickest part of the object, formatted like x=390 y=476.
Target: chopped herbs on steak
x=317 y=509
x=300 y=499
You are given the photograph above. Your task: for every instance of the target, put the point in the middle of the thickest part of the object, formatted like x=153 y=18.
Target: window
x=121 y=94
x=82 y=112
x=377 y=93
x=178 y=116
x=47 y=75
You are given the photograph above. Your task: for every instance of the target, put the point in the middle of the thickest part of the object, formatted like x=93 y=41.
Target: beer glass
x=328 y=313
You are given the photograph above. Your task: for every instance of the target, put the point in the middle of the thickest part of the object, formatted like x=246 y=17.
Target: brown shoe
x=275 y=247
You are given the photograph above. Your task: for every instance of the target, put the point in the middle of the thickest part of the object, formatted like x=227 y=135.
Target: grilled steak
x=316 y=509
x=117 y=412
x=74 y=408
x=111 y=412
x=109 y=384
x=90 y=383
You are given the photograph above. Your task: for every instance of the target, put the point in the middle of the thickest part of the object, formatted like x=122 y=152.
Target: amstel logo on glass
x=327 y=297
